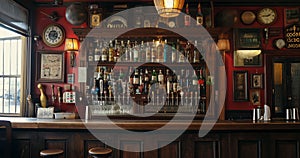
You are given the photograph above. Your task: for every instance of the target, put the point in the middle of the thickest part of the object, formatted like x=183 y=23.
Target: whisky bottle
x=110 y=52
x=166 y=51
x=174 y=52
x=160 y=52
x=202 y=83
x=199 y=18
x=135 y=52
x=187 y=17
x=197 y=54
x=148 y=52
x=154 y=77
x=153 y=52
x=97 y=55
x=104 y=53
x=160 y=77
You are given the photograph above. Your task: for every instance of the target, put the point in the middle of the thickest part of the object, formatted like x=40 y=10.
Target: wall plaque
x=292 y=36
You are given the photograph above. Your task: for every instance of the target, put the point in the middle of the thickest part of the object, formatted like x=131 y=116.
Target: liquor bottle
x=197 y=54
x=110 y=52
x=160 y=77
x=122 y=51
x=97 y=56
x=142 y=52
x=168 y=82
x=160 y=52
x=188 y=51
x=135 y=52
x=148 y=52
x=199 y=18
x=202 y=83
x=153 y=52
x=117 y=51
x=154 y=77
x=90 y=55
x=174 y=52
x=166 y=47
x=181 y=57
x=104 y=53
x=146 y=82
x=187 y=17
x=195 y=79
x=136 y=78
x=128 y=49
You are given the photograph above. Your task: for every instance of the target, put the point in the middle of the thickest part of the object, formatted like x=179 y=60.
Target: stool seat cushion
x=50 y=152
x=100 y=151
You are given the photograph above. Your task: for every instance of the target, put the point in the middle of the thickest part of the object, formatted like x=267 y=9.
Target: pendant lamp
x=169 y=8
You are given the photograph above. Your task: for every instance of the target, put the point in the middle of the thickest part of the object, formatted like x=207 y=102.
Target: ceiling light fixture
x=169 y=8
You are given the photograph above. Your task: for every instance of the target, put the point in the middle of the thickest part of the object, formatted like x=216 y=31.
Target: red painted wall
x=42 y=21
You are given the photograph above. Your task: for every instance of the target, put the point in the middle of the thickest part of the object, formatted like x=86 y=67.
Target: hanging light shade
x=169 y=8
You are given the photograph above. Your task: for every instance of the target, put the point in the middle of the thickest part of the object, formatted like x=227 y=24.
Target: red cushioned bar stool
x=100 y=152
x=51 y=153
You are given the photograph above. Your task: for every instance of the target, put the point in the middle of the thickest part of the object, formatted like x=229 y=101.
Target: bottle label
x=199 y=20
x=187 y=20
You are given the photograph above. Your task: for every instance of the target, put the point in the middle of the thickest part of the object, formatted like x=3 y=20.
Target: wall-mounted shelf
x=148 y=32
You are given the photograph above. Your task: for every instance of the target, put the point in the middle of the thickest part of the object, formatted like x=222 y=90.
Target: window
x=12 y=54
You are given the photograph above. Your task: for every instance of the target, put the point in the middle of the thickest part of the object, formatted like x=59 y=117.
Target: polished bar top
x=35 y=123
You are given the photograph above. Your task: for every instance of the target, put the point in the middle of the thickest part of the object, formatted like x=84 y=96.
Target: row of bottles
x=155 y=51
x=150 y=85
x=199 y=17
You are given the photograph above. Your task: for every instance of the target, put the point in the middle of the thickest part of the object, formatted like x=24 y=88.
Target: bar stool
x=51 y=153
x=100 y=152
x=6 y=139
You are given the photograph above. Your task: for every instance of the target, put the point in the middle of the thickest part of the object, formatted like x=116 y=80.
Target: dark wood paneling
x=22 y=148
x=171 y=150
x=207 y=149
x=131 y=145
x=249 y=149
x=287 y=149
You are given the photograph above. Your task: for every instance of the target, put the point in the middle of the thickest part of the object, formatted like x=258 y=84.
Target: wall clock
x=53 y=35
x=266 y=16
x=248 y=17
x=279 y=43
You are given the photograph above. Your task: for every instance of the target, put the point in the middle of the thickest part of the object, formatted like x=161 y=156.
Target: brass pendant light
x=169 y=8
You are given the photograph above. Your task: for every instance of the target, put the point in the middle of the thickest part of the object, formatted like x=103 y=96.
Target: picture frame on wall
x=291 y=16
x=256 y=81
x=256 y=61
x=50 y=66
x=240 y=86
x=255 y=96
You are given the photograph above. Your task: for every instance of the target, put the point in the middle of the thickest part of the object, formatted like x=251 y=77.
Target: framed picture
x=240 y=88
x=255 y=96
x=247 y=38
x=239 y=61
x=50 y=66
x=256 y=81
x=291 y=16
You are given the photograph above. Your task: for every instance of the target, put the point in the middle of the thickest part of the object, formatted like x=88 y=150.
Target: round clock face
x=266 y=16
x=248 y=17
x=53 y=35
x=279 y=43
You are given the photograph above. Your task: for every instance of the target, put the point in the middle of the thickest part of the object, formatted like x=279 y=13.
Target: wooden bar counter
x=232 y=139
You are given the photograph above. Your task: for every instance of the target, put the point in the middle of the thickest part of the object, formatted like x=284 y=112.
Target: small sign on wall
x=292 y=36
